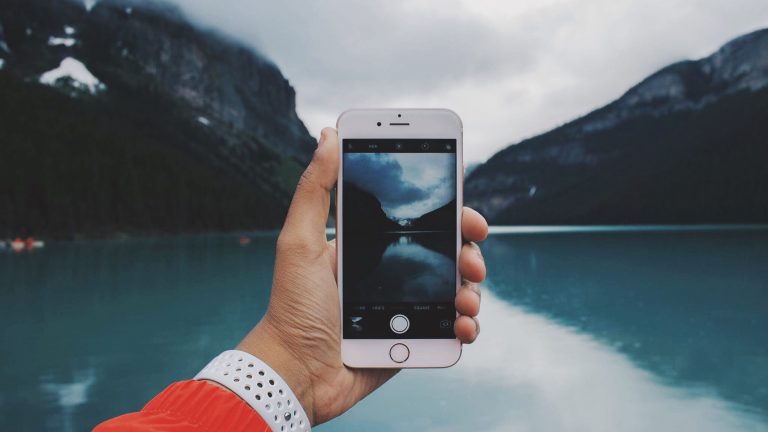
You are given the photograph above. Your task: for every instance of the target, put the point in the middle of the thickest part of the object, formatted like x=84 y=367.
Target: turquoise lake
x=600 y=329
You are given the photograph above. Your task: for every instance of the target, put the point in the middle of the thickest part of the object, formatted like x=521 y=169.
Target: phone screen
x=399 y=238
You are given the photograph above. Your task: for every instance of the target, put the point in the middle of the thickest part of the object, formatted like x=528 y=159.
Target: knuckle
x=308 y=178
x=471 y=286
x=311 y=181
x=477 y=251
x=295 y=245
x=470 y=246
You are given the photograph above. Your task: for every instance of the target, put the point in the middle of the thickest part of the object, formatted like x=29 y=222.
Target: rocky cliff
x=124 y=117
x=689 y=144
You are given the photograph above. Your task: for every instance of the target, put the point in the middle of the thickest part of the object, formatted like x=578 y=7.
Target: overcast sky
x=408 y=185
x=511 y=69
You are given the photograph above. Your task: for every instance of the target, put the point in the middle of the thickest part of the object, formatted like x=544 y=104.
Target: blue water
x=582 y=330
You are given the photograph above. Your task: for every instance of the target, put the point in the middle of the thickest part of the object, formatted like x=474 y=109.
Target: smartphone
x=398 y=236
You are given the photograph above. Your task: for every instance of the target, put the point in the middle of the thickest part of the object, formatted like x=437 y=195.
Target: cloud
x=434 y=172
x=407 y=184
x=382 y=176
x=366 y=50
x=510 y=69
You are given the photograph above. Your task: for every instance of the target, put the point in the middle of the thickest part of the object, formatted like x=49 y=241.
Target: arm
x=190 y=406
x=299 y=336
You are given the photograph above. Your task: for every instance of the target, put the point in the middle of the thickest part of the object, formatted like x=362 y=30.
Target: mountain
x=125 y=117
x=442 y=218
x=366 y=218
x=689 y=144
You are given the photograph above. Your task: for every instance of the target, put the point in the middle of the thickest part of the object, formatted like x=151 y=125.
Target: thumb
x=308 y=213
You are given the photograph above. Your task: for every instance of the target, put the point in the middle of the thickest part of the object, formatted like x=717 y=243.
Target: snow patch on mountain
x=743 y=62
x=665 y=86
x=89 y=4
x=739 y=65
x=69 y=30
x=2 y=63
x=65 y=41
x=3 y=45
x=79 y=76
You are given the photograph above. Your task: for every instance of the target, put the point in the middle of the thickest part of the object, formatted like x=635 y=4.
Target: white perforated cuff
x=260 y=387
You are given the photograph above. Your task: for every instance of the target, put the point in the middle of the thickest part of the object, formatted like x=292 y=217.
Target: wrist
x=264 y=342
x=259 y=385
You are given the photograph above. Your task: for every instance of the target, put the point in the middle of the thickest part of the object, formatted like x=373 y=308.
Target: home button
x=399 y=323
x=399 y=353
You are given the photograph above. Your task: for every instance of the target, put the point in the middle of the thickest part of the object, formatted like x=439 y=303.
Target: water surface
x=583 y=330
x=409 y=267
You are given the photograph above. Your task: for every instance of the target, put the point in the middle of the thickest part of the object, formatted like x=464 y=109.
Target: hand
x=299 y=336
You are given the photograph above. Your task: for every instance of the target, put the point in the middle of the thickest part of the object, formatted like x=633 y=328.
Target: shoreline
x=493 y=230
x=542 y=229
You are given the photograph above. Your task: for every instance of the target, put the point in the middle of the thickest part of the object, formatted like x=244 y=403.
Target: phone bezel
x=422 y=123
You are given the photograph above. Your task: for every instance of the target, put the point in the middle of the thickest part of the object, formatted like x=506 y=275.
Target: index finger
x=308 y=213
x=473 y=225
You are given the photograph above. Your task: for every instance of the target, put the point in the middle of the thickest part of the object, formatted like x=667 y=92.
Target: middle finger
x=471 y=263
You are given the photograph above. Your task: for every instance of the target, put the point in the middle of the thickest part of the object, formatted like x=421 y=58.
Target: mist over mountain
x=686 y=145
x=126 y=118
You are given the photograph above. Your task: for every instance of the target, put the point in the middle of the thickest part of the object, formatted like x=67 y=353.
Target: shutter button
x=399 y=323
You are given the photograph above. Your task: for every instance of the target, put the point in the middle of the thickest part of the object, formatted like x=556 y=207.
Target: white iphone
x=398 y=230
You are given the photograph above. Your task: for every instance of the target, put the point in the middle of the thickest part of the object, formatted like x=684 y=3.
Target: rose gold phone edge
x=375 y=353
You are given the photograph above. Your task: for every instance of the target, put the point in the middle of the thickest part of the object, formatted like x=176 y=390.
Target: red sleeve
x=190 y=406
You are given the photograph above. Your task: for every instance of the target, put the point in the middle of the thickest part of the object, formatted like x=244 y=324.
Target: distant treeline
x=71 y=166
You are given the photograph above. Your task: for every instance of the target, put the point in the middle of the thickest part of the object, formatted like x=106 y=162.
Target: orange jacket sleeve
x=190 y=406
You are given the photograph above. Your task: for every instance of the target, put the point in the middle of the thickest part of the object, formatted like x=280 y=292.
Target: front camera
x=378 y=123
x=425 y=146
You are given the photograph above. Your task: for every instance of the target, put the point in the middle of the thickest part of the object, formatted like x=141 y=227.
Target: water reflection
x=527 y=373
x=413 y=267
x=69 y=395
x=566 y=380
x=689 y=306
